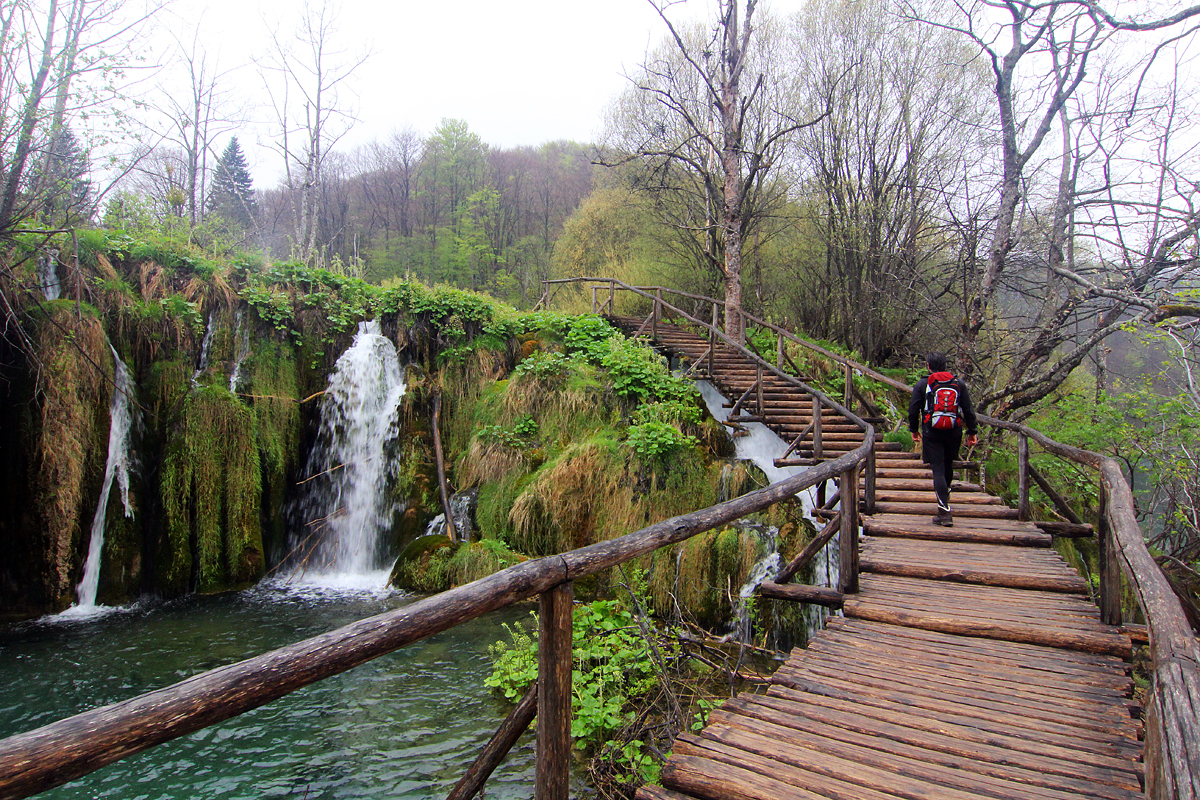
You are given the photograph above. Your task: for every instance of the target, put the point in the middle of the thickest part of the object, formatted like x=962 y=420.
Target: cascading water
x=242 y=335
x=204 y=345
x=48 y=275
x=762 y=446
x=347 y=506
x=462 y=507
x=116 y=468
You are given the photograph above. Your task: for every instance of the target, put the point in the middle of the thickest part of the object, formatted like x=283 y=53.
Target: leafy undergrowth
x=635 y=686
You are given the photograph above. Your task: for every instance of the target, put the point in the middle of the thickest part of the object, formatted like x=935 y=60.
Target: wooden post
x=779 y=351
x=821 y=492
x=849 y=393
x=715 y=319
x=712 y=344
x=1110 y=570
x=759 y=387
x=654 y=318
x=443 y=485
x=554 y=693
x=612 y=298
x=1023 y=511
x=818 y=452
x=594 y=309
x=848 y=562
x=497 y=748
x=870 y=483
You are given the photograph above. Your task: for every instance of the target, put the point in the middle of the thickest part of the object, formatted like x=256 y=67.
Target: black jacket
x=916 y=407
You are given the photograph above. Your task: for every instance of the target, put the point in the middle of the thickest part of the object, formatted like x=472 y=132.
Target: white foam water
x=348 y=504
x=116 y=469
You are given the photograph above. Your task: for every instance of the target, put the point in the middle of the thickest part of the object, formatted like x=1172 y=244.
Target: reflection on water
x=405 y=725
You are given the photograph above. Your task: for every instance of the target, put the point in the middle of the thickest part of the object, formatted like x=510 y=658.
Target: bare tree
x=311 y=112
x=1062 y=272
x=717 y=133
x=882 y=167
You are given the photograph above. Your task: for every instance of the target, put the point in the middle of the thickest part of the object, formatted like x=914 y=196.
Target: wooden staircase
x=971 y=664
x=785 y=411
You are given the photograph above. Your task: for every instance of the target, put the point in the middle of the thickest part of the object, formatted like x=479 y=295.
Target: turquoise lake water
x=405 y=725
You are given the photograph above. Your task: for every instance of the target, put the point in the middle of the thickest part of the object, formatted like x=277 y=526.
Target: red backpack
x=941 y=405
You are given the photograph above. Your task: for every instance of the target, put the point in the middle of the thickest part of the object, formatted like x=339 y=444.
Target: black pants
x=939 y=449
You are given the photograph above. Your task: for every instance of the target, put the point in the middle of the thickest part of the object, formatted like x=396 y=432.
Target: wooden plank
x=936 y=706
x=1001 y=700
x=925 y=509
x=975 y=680
x=835 y=768
x=1114 y=644
x=1047 y=769
x=706 y=777
x=948 y=732
x=1050 y=657
x=1048 y=583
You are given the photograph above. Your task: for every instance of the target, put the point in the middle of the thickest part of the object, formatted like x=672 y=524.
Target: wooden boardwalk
x=972 y=663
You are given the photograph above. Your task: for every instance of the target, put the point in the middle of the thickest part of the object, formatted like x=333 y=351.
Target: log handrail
x=1172 y=759
x=62 y=751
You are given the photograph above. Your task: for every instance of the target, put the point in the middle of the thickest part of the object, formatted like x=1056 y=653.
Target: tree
x=713 y=130
x=63 y=182
x=1062 y=271
x=232 y=193
x=311 y=124
x=880 y=171
x=47 y=55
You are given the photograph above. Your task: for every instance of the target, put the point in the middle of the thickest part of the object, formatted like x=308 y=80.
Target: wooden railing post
x=554 y=693
x=654 y=315
x=1023 y=511
x=849 y=393
x=869 y=487
x=595 y=310
x=759 y=387
x=712 y=344
x=612 y=299
x=848 y=561
x=1110 y=570
x=779 y=351
x=818 y=452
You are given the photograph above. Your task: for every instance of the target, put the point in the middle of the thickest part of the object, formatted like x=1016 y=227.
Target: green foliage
x=545 y=364
x=656 y=441
x=517 y=436
x=614 y=670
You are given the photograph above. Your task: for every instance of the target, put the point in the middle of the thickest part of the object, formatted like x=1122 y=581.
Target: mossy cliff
x=568 y=433
x=228 y=359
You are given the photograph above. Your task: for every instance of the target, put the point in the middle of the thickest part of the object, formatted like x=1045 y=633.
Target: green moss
x=210 y=487
x=72 y=440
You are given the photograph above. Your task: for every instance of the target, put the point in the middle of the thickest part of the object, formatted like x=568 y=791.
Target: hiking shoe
x=944 y=518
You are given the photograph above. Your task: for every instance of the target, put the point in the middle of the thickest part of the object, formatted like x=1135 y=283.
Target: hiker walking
x=937 y=412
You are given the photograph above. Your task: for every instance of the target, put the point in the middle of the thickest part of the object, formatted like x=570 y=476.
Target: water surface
x=405 y=725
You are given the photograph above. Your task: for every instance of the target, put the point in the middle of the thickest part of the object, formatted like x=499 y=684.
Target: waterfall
x=204 y=345
x=347 y=506
x=762 y=446
x=242 y=335
x=48 y=275
x=116 y=467
x=462 y=508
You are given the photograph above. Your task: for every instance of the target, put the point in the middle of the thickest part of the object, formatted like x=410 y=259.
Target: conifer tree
x=232 y=195
x=62 y=182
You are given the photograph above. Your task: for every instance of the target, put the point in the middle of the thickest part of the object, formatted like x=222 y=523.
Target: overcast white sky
x=521 y=72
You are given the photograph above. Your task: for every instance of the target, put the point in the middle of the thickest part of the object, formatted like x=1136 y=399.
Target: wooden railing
x=1172 y=748
x=70 y=748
